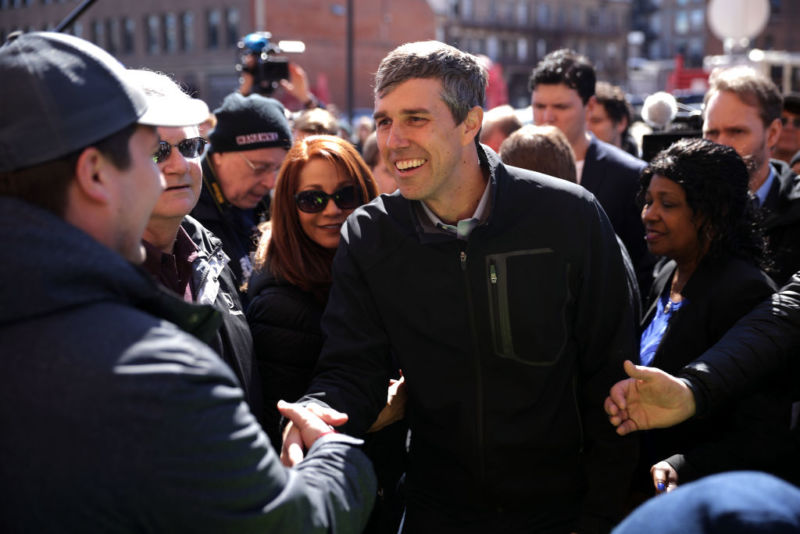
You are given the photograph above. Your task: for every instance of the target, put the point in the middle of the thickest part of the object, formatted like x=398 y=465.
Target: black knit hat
x=248 y=123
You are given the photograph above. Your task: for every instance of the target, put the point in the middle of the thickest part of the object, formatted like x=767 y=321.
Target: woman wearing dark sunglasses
x=322 y=180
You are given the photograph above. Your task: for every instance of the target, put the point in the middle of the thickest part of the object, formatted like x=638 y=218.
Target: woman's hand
x=395 y=408
x=665 y=478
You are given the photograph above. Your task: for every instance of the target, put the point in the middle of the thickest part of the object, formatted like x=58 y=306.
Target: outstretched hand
x=651 y=398
x=306 y=425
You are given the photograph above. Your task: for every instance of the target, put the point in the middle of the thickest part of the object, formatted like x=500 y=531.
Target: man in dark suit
x=563 y=86
x=742 y=109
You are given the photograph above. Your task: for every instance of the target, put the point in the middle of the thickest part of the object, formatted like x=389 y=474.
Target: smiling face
x=562 y=107
x=323 y=228
x=248 y=176
x=670 y=225
x=183 y=176
x=419 y=141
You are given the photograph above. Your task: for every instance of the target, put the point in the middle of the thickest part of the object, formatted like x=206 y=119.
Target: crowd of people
x=244 y=320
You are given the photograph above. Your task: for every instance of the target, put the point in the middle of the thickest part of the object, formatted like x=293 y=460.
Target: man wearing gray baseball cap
x=114 y=418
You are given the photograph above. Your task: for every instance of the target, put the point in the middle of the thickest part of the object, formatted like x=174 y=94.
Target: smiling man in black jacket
x=503 y=296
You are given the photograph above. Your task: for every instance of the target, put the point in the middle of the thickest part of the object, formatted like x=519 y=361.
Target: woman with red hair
x=322 y=180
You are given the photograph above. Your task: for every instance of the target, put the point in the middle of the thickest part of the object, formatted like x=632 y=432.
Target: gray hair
x=462 y=75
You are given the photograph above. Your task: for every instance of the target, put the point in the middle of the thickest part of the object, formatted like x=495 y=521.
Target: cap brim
x=174 y=112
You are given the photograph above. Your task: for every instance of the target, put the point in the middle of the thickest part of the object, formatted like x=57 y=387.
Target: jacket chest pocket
x=528 y=299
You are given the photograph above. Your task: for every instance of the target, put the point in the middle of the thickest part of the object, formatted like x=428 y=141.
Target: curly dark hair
x=565 y=67
x=714 y=179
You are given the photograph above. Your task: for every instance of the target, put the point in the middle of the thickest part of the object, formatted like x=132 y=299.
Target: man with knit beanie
x=248 y=145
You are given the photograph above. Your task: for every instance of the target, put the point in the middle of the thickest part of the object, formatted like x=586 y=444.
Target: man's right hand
x=651 y=398
x=306 y=425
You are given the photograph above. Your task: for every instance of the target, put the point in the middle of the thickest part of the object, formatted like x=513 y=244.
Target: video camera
x=260 y=58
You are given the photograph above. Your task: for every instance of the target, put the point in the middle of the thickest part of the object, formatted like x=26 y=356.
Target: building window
x=170 y=33
x=187 y=31
x=698 y=19
x=577 y=20
x=77 y=29
x=522 y=49
x=213 y=20
x=508 y=8
x=492 y=47
x=453 y=8
x=112 y=31
x=541 y=48
x=681 y=23
x=467 y=10
x=128 y=35
x=492 y=10
x=232 y=26
x=522 y=12
x=655 y=23
x=152 y=30
x=543 y=14
x=98 y=33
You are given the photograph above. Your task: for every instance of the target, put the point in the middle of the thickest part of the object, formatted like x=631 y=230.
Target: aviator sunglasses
x=189 y=148
x=314 y=201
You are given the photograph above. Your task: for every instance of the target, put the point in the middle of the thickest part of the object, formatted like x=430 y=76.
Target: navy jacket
x=115 y=420
x=612 y=175
x=781 y=211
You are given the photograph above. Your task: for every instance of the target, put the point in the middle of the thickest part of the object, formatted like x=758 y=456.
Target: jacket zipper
x=478 y=376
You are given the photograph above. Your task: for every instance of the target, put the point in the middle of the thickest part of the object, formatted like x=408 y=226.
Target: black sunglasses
x=189 y=148
x=314 y=201
x=795 y=121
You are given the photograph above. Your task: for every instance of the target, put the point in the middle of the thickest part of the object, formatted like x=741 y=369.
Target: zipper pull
x=492 y=274
x=463 y=258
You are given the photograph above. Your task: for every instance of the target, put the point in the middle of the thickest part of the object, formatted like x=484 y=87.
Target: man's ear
x=773 y=133
x=472 y=124
x=92 y=175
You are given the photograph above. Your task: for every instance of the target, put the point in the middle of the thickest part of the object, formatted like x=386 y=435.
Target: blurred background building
x=642 y=45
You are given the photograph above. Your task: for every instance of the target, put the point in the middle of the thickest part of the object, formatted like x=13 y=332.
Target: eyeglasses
x=267 y=168
x=795 y=122
x=189 y=148
x=314 y=201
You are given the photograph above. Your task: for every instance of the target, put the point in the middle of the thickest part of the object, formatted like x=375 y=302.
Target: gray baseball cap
x=59 y=94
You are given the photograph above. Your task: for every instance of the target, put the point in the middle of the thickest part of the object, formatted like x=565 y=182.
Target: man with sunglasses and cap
x=115 y=416
x=248 y=145
x=181 y=254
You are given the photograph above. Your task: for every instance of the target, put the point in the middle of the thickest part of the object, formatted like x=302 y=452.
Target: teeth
x=409 y=164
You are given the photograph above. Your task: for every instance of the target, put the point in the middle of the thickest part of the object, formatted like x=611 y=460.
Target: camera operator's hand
x=246 y=76
x=297 y=86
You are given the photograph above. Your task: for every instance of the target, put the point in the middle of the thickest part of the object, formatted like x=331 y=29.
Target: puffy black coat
x=285 y=323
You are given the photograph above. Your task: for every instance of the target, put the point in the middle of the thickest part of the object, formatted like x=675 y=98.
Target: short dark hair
x=462 y=75
x=566 y=67
x=750 y=87
x=715 y=180
x=791 y=103
x=45 y=185
x=613 y=100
